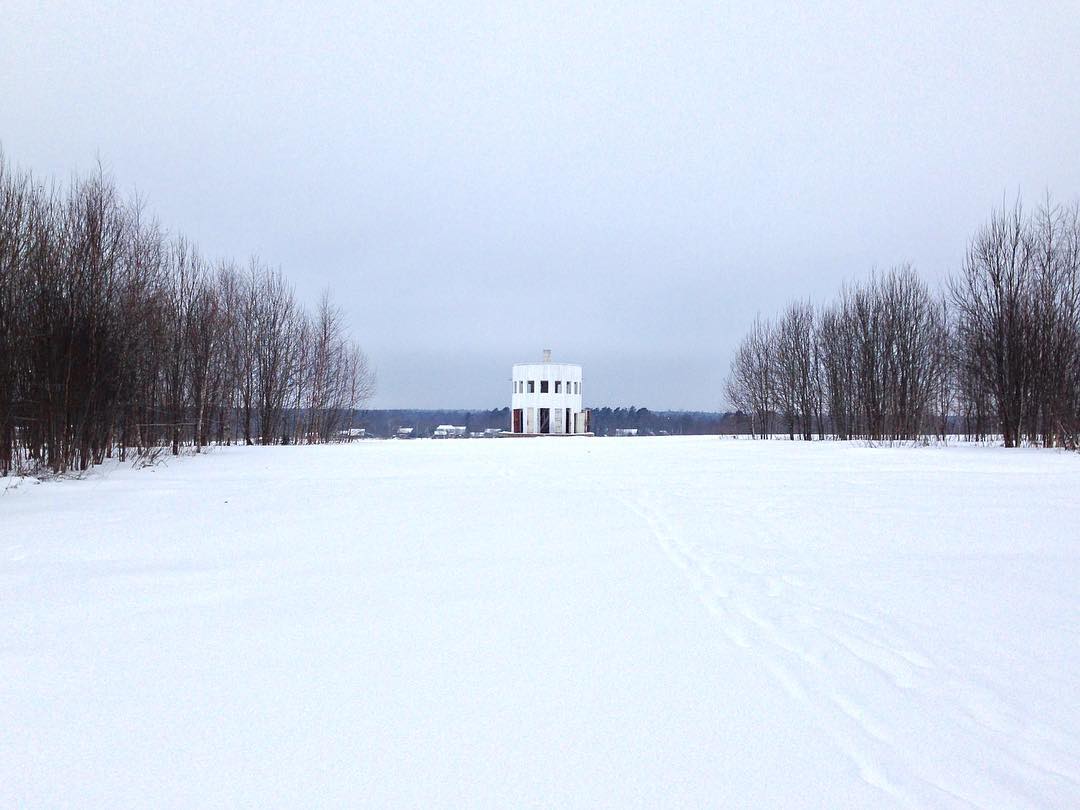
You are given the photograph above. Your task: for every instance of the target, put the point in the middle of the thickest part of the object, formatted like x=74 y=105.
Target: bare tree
x=837 y=349
x=275 y=351
x=993 y=298
x=795 y=372
x=749 y=384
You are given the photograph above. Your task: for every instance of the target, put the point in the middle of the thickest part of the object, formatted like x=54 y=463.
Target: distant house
x=492 y=433
x=404 y=433
x=626 y=431
x=450 y=432
x=352 y=433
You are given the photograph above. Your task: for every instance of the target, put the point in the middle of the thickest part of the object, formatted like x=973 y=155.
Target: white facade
x=546 y=398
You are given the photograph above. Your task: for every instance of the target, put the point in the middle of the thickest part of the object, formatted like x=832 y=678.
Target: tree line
x=605 y=421
x=116 y=337
x=994 y=353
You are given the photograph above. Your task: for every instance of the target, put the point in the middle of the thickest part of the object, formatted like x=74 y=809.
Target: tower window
x=558 y=386
x=532 y=386
x=543 y=386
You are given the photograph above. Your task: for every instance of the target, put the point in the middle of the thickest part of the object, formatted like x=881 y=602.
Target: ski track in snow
x=744 y=627
x=739 y=596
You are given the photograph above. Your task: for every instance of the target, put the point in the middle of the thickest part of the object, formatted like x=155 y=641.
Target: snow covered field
x=540 y=623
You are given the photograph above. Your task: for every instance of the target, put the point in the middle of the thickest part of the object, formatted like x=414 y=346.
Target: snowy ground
x=539 y=623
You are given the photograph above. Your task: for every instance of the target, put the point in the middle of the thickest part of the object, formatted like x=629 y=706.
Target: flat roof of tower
x=546 y=360
x=546 y=363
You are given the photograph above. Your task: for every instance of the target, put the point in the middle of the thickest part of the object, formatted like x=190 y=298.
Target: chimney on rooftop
x=547 y=355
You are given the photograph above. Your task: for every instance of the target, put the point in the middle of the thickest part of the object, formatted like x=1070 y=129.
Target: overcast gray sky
x=625 y=183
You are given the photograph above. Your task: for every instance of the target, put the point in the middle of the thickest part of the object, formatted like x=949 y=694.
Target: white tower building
x=547 y=398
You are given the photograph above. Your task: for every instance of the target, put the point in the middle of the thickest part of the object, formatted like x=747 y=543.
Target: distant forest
x=605 y=421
